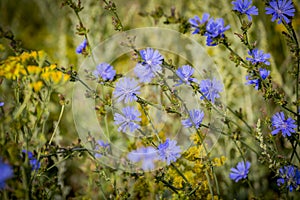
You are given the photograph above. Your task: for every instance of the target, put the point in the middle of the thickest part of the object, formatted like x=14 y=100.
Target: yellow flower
x=218 y=162
x=209 y=197
x=37 y=86
x=196 y=138
x=195 y=152
x=50 y=74
x=144 y=118
x=31 y=65
x=33 y=69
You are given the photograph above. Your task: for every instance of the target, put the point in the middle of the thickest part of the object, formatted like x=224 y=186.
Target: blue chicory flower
x=6 y=172
x=101 y=146
x=195 y=119
x=196 y=22
x=34 y=163
x=128 y=119
x=169 y=151
x=255 y=82
x=264 y=73
x=240 y=172
x=105 y=71
x=150 y=65
x=289 y=175
x=244 y=7
x=81 y=47
x=283 y=10
x=185 y=75
x=1 y=104
x=210 y=89
x=215 y=29
x=258 y=56
x=280 y=124
x=126 y=89
x=145 y=154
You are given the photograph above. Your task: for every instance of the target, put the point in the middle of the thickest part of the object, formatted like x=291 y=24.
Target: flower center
x=149 y=62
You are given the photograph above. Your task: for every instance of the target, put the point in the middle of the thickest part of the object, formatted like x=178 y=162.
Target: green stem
x=239 y=149
x=25 y=181
x=234 y=53
x=114 y=11
x=292 y=32
x=209 y=185
x=174 y=189
x=27 y=98
x=234 y=113
x=57 y=124
x=150 y=121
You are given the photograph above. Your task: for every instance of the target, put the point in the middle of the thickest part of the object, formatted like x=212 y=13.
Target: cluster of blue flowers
x=258 y=57
x=213 y=29
x=209 y=89
x=6 y=171
x=281 y=10
x=167 y=152
x=263 y=75
x=129 y=118
x=289 y=176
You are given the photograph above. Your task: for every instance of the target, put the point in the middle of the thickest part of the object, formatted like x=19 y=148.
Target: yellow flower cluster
x=30 y=65
x=197 y=170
